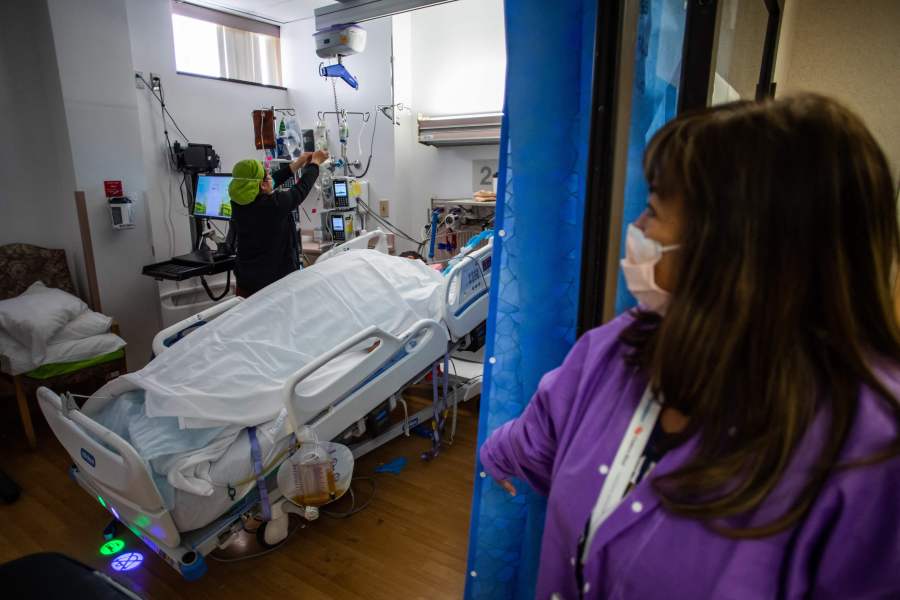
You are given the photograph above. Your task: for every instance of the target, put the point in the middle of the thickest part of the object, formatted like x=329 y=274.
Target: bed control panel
x=468 y=284
x=473 y=281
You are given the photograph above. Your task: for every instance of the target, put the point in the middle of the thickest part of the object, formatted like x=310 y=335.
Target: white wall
x=208 y=111
x=93 y=51
x=458 y=57
x=851 y=51
x=455 y=55
x=35 y=209
x=309 y=93
x=448 y=59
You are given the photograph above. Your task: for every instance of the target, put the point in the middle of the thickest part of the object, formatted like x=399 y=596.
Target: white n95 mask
x=641 y=256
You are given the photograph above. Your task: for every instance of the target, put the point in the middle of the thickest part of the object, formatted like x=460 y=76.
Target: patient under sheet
x=230 y=372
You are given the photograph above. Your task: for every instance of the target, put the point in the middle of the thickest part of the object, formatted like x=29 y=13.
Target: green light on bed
x=102 y=501
x=112 y=547
x=142 y=521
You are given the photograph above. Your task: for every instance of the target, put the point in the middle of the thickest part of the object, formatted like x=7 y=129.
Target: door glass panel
x=739 y=49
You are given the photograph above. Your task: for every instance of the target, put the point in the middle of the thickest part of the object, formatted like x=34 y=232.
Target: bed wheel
x=109 y=532
x=272 y=533
x=193 y=567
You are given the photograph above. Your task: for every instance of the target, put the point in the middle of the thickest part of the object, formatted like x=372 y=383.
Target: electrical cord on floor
x=353 y=510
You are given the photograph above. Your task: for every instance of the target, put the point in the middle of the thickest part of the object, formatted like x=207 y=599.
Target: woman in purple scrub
x=738 y=434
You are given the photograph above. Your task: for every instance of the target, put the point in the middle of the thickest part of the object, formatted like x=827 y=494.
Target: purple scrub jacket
x=848 y=546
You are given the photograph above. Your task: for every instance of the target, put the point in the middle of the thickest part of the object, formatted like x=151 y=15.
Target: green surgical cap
x=247 y=174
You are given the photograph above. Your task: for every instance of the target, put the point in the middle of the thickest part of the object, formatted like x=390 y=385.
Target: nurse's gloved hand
x=507 y=485
x=301 y=161
x=319 y=156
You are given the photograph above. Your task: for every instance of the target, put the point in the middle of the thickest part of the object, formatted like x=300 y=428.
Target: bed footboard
x=110 y=468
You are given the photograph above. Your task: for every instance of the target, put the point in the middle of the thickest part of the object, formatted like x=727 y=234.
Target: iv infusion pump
x=343 y=219
x=348 y=191
x=342 y=226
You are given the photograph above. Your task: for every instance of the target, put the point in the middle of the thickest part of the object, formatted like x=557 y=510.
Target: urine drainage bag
x=316 y=474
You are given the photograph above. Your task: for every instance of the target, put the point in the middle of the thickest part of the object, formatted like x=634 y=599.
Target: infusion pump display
x=341 y=226
x=348 y=191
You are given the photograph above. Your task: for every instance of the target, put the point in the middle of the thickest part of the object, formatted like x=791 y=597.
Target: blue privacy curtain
x=537 y=251
x=537 y=248
x=654 y=100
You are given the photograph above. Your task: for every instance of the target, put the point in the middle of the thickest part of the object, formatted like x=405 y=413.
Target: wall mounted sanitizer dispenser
x=121 y=212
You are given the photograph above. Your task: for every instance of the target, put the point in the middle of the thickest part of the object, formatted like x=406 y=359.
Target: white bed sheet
x=191 y=511
x=207 y=378
x=178 y=464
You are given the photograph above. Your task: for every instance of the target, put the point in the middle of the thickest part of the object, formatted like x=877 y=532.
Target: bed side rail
x=360 y=243
x=388 y=348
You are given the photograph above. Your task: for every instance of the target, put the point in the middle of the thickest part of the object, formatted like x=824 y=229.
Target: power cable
x=388 y=224
x=163 y=104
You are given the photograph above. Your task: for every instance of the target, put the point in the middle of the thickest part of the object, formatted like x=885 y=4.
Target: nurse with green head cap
x=268 y=247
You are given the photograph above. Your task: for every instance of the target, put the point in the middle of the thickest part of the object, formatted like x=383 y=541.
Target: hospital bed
x=110 y=469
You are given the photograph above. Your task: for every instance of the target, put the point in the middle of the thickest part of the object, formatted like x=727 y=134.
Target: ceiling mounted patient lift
x=337 y=42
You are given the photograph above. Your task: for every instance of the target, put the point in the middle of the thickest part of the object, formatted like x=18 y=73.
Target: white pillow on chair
x=37 y=315
x=85 y=325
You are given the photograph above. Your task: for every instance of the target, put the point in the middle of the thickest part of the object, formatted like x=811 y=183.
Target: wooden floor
x=409 y=543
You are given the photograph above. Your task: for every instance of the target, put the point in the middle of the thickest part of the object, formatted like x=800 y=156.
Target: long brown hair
x=783 y=297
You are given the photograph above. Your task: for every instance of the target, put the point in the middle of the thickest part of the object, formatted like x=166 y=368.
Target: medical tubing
x=267 y=469
x=371 y=146
x=390 y=225
x=353 y=509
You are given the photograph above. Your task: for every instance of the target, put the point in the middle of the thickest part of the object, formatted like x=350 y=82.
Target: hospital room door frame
x=614 y=48
x=614 y=61
x=701 y=42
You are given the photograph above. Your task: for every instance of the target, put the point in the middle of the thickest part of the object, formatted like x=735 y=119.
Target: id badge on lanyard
x=626 y=462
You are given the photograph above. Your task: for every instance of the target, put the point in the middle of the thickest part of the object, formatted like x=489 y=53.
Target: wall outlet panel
x=384 y=208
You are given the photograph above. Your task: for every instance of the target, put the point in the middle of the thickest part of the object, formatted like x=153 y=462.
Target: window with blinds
x=210 y=43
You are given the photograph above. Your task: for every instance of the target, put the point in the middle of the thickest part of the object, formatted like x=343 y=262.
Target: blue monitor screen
x=211 y=200
x=340 y=189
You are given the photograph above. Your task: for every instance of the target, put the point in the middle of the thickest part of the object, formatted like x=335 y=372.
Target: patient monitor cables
x=165 y=111
x=170 y=154
x=388 y=224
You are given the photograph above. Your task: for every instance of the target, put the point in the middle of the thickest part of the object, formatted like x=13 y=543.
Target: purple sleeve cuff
x=489 y=460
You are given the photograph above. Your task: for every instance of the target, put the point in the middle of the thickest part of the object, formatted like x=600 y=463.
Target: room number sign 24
x=483 y=173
